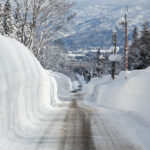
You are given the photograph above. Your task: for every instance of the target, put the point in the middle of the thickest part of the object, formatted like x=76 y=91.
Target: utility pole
x=126 y=40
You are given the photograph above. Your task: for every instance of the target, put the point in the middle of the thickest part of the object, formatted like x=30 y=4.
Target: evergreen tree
x=145 y=34
x=135 y=36
x=18 y=24
x=145 y=47
x=1 y=20
x=97 y=71
x=114 y=37
x=139 y=54
x=8 y=20
x=134 y=52
x=98 y=56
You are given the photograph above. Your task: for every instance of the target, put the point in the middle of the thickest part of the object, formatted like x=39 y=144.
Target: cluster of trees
x=139 y=54
x=53 y=57
x=104 y=64
x=6 y=23
x=139 y=51
x=98 y=66
x=35 y=23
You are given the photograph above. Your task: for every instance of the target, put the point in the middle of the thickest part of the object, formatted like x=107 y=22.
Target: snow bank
x=80 y=79
x=90 y=89
x=64 y=84
x=130 y=94
x=26 y=92
x=75 y=85
x=126 y=103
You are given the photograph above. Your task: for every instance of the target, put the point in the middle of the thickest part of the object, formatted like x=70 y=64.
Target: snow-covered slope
x=26 y=93
x=130 y=94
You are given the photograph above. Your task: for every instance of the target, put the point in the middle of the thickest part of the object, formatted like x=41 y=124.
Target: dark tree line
x=139 y=51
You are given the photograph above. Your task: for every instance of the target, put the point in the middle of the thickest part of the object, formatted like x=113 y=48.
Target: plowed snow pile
x=126 y=102
x=26 y=95
x=131 y=94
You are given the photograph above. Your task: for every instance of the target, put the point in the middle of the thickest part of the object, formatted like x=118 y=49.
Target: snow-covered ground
x=80 y=79
x=64 y=85
x=124 y=101
x=27 y=96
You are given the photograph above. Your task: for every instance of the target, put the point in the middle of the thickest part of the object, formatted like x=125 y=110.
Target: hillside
x=95 y=21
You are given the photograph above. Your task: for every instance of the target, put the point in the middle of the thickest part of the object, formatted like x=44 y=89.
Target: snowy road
x=86 y=130
x=78 y=127
x=77 y=135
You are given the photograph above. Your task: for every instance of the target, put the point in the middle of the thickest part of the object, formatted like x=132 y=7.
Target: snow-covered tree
x=1 y=20
x=97 y=67
x=36 y=24
x=114 y=37
x=145 y=34
x=18 y=24
x=135 y=36
x=42 y=19
x=52 y=57
x=98 y=56
x=134 y=52
x=8 y=20
x=145 y=46
x=139 y=55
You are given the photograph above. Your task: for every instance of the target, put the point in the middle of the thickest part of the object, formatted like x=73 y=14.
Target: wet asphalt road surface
x=77 y=127
x=84 y=129
x=77 y=135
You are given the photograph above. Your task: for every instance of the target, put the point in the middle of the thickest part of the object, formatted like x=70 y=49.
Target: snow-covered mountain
x=96 y=19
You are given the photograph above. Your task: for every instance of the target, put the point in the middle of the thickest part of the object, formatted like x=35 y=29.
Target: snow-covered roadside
x=125 y=101
x=128 y=124
x=26 y=95
x=64 y=86
x=25 y=87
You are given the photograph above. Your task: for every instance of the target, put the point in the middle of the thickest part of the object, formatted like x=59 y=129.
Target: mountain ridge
x=95 y=21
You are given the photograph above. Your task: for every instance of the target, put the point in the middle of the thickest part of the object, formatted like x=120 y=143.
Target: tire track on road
x=78 y=134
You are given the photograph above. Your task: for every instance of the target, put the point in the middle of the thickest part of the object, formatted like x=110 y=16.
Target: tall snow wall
x=26 y=91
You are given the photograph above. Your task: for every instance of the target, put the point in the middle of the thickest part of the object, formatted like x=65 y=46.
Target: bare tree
x=52 y=57
x=42 y=19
